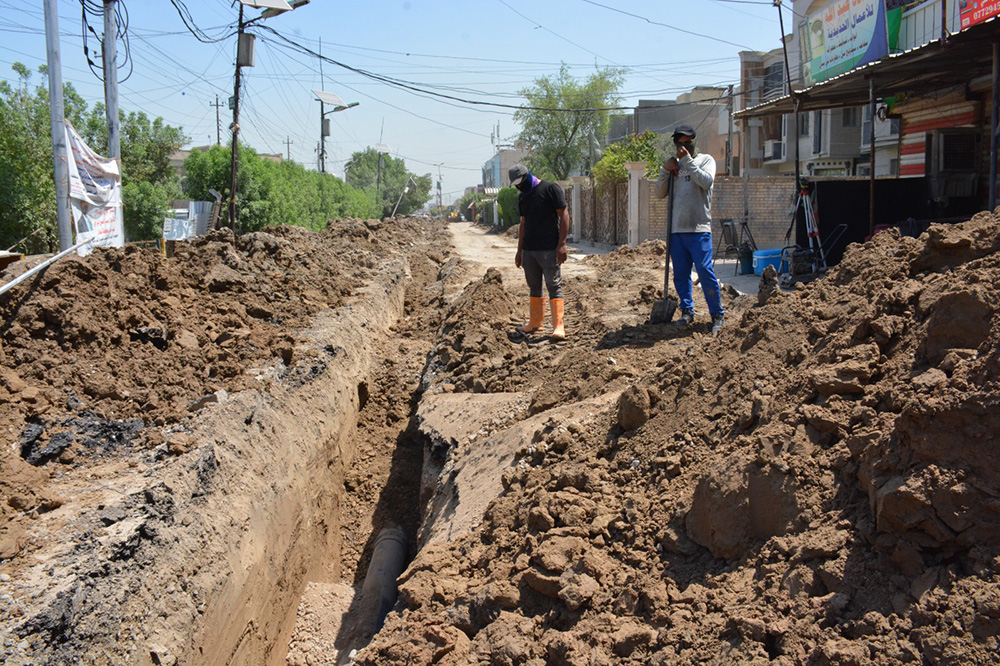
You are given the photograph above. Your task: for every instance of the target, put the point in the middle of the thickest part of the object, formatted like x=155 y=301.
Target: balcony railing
x=922 y=24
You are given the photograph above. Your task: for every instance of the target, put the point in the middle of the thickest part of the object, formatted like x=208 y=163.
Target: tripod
x=803 y=199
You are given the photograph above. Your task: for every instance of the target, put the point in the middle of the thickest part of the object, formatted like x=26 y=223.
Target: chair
x=727 y=243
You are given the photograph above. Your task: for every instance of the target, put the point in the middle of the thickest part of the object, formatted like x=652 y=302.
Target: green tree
x=634 y=148
x=508 y=197
x=387 y=182
x=464 y=205
x=27 y=191
x=561 y=114
x=144 y=206
x=271 y=193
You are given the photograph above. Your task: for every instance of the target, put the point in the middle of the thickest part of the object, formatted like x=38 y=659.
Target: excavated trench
x=329 y=545
x=240 y=533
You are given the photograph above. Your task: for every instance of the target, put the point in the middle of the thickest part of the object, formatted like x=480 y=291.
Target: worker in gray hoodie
x=691 y=240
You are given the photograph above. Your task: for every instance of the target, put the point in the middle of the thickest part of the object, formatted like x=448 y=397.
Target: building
x=495 y=169
x=830 y=142
x=913 y=82
x=705 y=108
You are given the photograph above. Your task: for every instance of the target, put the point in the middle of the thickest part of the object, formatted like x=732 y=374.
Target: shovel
x=664 y=309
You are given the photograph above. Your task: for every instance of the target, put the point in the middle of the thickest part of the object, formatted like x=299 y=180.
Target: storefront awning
x=959 y=59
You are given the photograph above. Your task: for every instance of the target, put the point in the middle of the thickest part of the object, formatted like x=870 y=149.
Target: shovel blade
x=663 y=311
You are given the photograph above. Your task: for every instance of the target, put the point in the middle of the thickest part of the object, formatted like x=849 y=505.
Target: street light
x=406 y=188
x=245 y=58
x=324 y=130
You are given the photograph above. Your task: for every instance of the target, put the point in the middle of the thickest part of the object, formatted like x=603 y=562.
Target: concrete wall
x=770 y=202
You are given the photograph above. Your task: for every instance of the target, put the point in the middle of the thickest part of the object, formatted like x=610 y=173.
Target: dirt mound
x=817 y=485
x=97 y=351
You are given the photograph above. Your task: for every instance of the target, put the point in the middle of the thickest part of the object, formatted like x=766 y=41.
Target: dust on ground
x=816 y=485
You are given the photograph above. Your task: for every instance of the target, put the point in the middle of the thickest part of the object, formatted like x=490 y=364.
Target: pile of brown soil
x=99 y=355
x=817 y=485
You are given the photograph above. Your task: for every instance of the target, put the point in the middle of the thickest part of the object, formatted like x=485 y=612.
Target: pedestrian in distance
x=541 y=245
x=691 y=237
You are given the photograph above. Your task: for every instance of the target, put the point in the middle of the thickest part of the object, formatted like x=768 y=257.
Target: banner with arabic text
x=95 y=195
x=843 y=35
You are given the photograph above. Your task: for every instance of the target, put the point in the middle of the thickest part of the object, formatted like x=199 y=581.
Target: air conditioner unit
x=774 y=150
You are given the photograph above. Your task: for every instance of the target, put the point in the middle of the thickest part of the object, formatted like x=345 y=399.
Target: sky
x=482 y=52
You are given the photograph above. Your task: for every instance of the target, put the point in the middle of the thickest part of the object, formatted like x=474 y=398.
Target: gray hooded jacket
x=692 y=192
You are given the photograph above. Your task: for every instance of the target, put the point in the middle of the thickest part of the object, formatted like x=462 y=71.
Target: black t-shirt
x=541 y=219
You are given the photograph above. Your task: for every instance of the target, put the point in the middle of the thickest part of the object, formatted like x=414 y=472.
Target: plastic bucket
x=764 y=258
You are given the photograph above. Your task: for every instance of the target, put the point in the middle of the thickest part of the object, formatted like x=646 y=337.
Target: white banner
x=95 y=194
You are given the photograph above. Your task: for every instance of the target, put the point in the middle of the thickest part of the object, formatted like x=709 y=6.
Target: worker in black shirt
x=541 y=245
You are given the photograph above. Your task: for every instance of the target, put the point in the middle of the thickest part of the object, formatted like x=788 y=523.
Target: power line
x=189 y=23
x=665 y=25
x=415 y=88
x=537 y=24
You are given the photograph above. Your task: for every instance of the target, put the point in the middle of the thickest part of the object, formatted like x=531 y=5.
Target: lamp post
x=245 y=58
x=324 y=124
x=406 y=188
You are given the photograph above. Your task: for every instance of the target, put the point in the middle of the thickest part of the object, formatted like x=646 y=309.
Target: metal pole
x=234 y=162
x=322 y=140
x=871 y=154
x=61 y=175
x=745 y=152
x=45 y=264
x=406 y=189
x=993 y=126
x=218 y=122
x=729 y=139
x=322 y=114
x=111 y=80
x=788 y=79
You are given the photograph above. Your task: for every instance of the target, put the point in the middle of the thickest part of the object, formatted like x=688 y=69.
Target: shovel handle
x=670 y=231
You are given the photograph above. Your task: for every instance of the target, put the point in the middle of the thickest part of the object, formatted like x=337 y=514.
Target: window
x=818 y=133
x=850 y=117
x=958 y=151
x=803 y=124
x=774 y=80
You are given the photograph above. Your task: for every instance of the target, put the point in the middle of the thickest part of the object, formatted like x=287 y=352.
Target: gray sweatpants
x=538 y=264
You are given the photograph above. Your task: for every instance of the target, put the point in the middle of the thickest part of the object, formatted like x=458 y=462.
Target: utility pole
x=218 y=122
x=245 y=58
x=440 y=203
x=378 y=176
x=288 y=148
x=729 y=139
x=322 y=115
x=56 y=112
x=234 y=162
x=111 y=80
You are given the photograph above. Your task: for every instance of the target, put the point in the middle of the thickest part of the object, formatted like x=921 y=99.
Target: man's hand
x=670 y=164
x=561 y=254
x=682 y=152
x=517 y=258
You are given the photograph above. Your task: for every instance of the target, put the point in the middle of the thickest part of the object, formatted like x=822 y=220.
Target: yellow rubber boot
x=537 y=315
x=558 y=331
